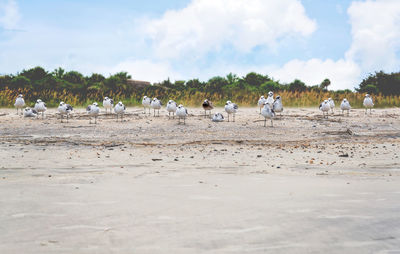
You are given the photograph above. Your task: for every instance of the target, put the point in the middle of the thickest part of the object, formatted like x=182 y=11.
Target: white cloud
x=209 y=25
x=343 y=74
x=9 y=14
x=376 y=34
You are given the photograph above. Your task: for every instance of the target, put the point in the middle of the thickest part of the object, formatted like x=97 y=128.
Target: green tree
x=297 y=86
x=324 y=84
x=34 y=74
x=20 y=82
x=255 y=79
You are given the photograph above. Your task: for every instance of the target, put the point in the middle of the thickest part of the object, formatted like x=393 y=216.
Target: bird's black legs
x=265 y=122
x=272 y=124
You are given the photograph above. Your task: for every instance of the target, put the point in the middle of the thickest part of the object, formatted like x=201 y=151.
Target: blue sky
x=342 y=40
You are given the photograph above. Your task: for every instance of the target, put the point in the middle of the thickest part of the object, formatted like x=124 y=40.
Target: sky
x=153 y=40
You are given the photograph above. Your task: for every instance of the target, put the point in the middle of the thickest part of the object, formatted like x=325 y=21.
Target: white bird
x=331 y=104
x=218 y=117
x=345 y=105
x=108 y=104
x=325 y=107
x=231 y=108
x=156 y=104
x=171 y=108
x=207 y=105
x=120 y=110
x=270 y=98
x=277 y=106
x=19 y=103
x=268 y=112
x=40 y=107
x=368 y=103
x=64 y=109
x=181 y=112
x=93 y=110
x=146 y=102
x=261 y=102
x=28 y=112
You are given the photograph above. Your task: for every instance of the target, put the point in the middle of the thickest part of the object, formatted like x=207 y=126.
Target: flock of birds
x=268 y=108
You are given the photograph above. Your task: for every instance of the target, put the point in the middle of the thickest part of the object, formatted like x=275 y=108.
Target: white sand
x=149 y=185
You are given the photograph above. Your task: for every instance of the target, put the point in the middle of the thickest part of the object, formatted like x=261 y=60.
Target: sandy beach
x=149 y=185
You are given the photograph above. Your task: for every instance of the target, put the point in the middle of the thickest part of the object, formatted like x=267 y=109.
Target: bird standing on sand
x=231 y=108
x=64 y=109
x=108 y=104
x=331 y=104
x=28 y=112
x=156 y=104
x=120 y=110
x=218 y=117
x=368 y=103
x=277 y=106
x=171 y=108
x=270 y=98
x=181 y=112
x=146 y=102
x=345 y=105
x=325 y=107
x=93 y=110
x=267 y=112
x=261 y=102
x=40 y=107
x=207 y=105
x=19 y=103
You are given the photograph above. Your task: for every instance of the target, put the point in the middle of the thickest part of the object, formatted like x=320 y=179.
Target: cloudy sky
x=311 y=40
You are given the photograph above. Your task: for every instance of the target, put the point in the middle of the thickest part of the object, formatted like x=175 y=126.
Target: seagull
x=231 y=108
x=181 y=112
x=277 y=106
x=331 y=104
x=156 y=104
x=108 y=104
x=146 y=102
x=93 y=110
x=40 y=107
x=171 y=108
x=19 y=103
x=28 y=112
x=120 y=110
x=261 y=102
x=64 y=109
x=207 y=105
x=368 y=103
x=267 y=112
x=218 y=117
x=325 y=107
x=345 y=105
x=270 y=98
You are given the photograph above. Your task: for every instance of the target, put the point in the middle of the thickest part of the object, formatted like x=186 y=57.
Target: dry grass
x=290 y=99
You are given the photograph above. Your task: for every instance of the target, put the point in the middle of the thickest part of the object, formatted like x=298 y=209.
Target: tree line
x=36 y=80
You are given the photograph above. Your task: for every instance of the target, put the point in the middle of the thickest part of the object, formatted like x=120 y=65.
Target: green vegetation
x=79 y=90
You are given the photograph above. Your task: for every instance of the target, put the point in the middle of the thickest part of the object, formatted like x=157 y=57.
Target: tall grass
x=190 y=98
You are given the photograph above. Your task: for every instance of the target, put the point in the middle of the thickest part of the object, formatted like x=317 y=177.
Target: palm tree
x=324 y=85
